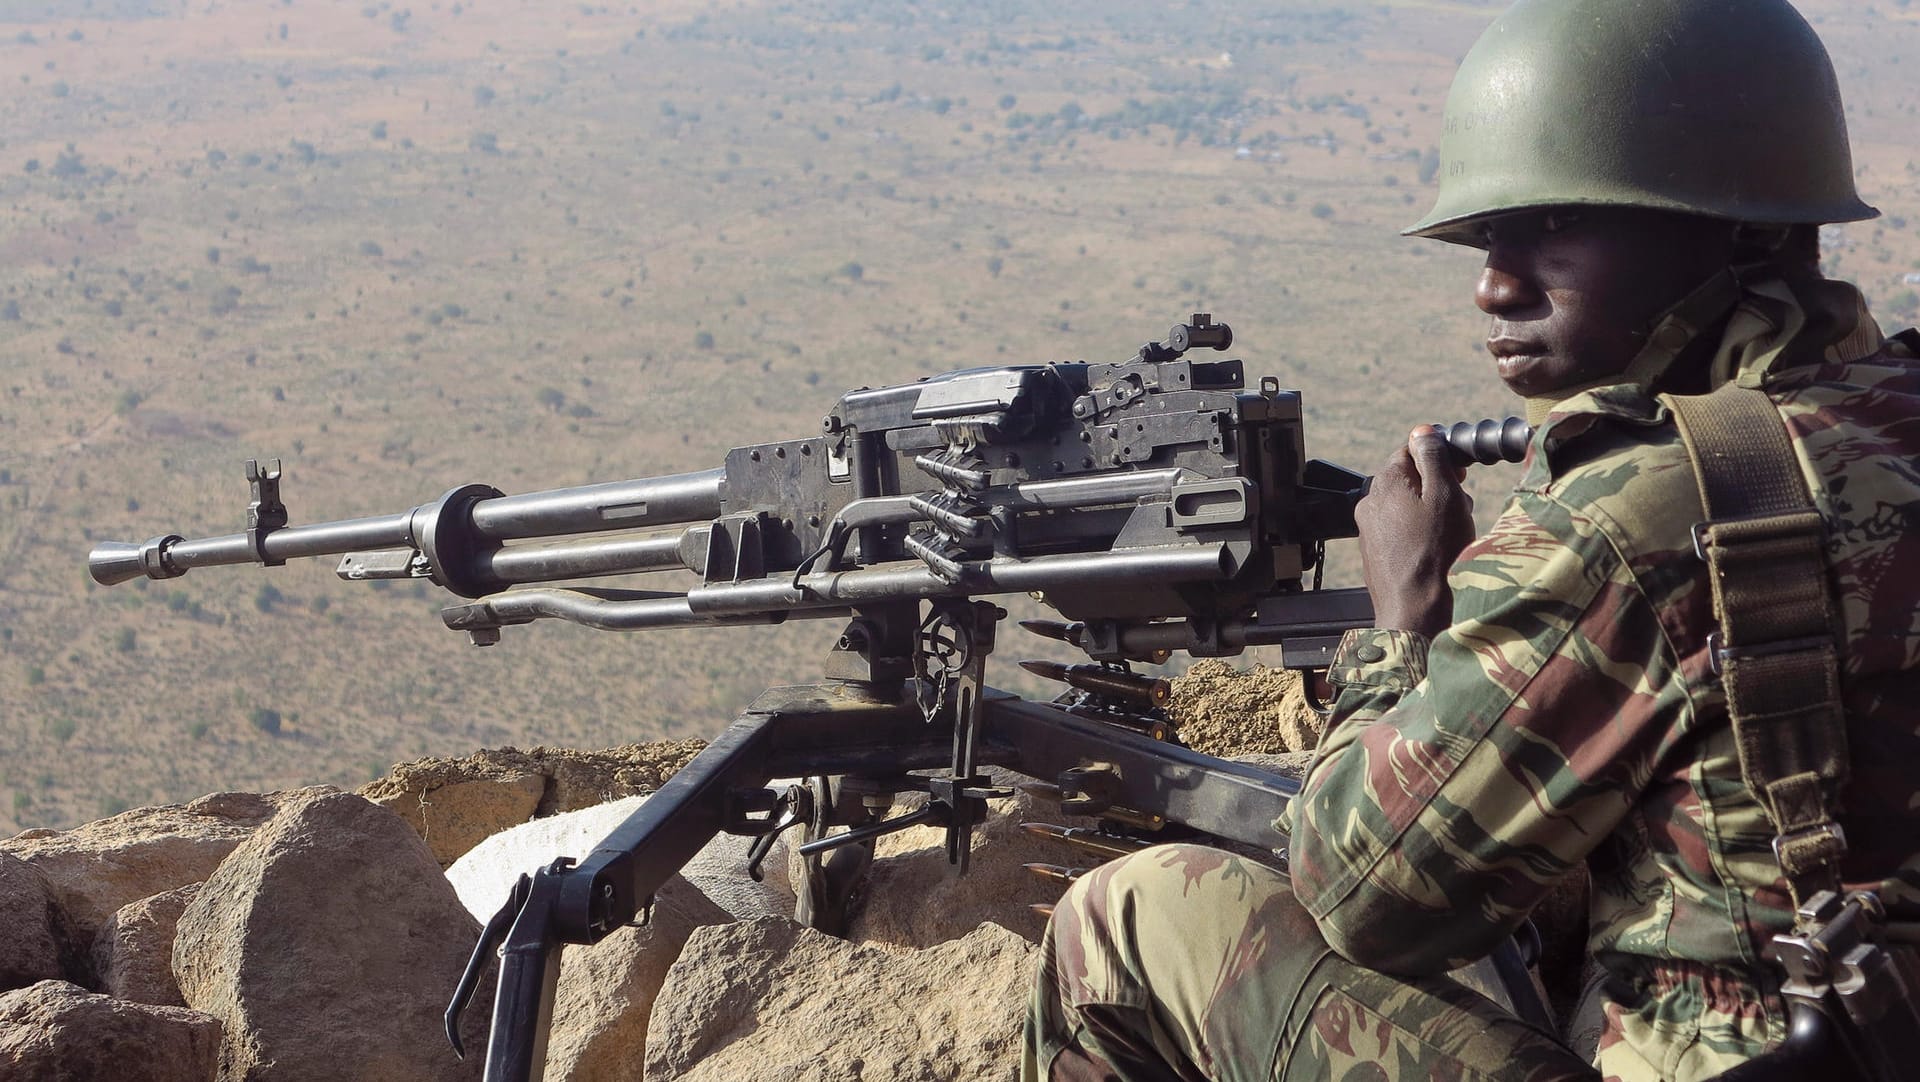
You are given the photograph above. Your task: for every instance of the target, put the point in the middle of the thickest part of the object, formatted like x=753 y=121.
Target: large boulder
x=485 y=874
x=775 y=1002
x=912 y=898
x=458 y=815
x=456 y=803
x=96 y=868
x=60 y=1032
x=133 y=955
x=607 y=991
x=328 y=944
x=29 y=951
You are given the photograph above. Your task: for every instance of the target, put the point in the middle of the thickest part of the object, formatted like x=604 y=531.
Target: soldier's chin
x=1526 y=374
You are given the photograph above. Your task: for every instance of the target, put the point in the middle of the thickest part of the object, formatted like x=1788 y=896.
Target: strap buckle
x=1718 y=655
x=1774 y=526
x=1819 y=832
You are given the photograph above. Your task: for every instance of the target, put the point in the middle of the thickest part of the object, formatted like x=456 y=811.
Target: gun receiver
x=1157 y=504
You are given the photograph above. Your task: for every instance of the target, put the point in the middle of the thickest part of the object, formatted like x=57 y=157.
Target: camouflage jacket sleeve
x=1458 y=782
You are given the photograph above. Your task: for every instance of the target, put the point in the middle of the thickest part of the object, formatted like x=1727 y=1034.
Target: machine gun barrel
x=170 y=556
x=458 y=535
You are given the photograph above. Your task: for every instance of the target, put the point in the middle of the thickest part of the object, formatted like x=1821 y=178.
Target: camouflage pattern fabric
x=1570 y=713
x=1188 y=963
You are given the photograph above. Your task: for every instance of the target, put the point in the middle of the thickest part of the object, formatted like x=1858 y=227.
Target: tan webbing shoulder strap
x=1765 y=548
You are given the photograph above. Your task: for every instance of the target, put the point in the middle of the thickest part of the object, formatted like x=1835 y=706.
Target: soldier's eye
x=1559 y=221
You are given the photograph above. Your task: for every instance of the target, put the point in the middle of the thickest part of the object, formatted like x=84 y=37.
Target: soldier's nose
x=1499 y=291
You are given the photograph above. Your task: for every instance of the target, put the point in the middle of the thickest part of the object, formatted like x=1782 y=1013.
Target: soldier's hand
x=1414 y=522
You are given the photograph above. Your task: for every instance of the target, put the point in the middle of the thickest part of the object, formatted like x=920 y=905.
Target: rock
x=457 y=816
x=820 y=1009
x=327 y=944
x=133 y=955
x=912 y=898
x=607 y=991
x=484 y=876
x=96 y=868
x=60 y=1032
x=29 y=951
x=570 y=780
x=1221 y=710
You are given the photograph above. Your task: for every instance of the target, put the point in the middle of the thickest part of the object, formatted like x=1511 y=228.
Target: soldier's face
x=1574 y=293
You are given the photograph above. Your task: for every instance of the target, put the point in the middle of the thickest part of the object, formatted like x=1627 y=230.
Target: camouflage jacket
x=1571 y=713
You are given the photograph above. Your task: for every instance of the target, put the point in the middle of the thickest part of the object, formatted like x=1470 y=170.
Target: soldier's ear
x=1755 y=243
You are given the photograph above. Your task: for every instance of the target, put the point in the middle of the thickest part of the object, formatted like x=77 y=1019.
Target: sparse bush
x=10 y=311
x=265 y=720
x=304 y=151
x=1429 y=165
x=485 y=142
x=62 y=729
x=197 y=728
x=551 y=397
x=1321 y=211
x=483 y=96
x=128 y=401
x=266 y=597
x=703 y=340
x=36 y=676
x=379 y=129
x=994 y=265
x=126 y=640
x=852 y=271
x=213 y=255
x=371 y=248
x=68 y=165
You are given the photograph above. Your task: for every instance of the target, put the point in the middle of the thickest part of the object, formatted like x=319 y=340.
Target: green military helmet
x=1725 y=108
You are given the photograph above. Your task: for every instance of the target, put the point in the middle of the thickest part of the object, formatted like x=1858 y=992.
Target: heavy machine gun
x=1157 y=504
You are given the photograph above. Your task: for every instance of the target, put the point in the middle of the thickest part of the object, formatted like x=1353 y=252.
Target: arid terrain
x=535 y=244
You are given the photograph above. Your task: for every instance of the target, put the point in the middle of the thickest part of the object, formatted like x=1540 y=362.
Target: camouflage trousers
x=1188 y=963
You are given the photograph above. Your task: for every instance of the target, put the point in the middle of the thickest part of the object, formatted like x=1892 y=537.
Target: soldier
x=1646 y=179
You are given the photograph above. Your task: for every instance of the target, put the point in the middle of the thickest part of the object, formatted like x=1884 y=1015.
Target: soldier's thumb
x=1433 y=460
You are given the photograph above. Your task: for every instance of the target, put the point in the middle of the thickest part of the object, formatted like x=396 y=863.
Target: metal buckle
x=1699 y=532
x=1831 y=830
x=1701 y=542
x=1718 y=655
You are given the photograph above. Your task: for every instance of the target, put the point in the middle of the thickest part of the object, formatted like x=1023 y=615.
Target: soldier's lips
x=1515 y=357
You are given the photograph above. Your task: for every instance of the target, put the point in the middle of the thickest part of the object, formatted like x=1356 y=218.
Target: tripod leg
x=825 y=901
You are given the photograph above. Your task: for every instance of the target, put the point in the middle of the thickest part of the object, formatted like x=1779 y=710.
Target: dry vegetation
x=535 y=244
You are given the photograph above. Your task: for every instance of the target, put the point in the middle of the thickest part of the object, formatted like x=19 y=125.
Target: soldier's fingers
x=1429 y=454
x=1399 y=470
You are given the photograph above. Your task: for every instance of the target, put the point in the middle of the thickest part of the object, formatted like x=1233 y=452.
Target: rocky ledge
x=317 y=934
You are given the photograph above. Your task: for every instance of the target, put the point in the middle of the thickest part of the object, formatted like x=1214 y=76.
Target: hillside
x=532 y=245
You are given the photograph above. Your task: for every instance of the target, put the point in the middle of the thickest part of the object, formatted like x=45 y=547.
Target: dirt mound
x=574 y=779
x=1221 y=710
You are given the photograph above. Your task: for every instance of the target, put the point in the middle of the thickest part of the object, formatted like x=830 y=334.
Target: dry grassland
x=534 y=244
